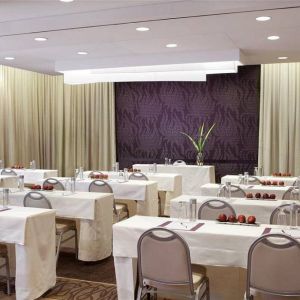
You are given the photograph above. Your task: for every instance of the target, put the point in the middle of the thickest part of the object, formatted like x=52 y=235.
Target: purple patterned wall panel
x=150 y=116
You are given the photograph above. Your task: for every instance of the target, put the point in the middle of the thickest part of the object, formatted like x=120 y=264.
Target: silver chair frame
x=208 y=204
x=289 y=191
x=138 y=176
x=54 y=182
x=8 y=172
x=272 y=221
x=234 y=188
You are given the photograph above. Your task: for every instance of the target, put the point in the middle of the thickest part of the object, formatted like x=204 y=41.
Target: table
x=94 y=215
x=7 y=181
x=211 y=189
x=234 y=179
x=192 y=176
x=144 y=193
x=169 y=185
x=31 y=176
x=32 y=230
x=261 y=209
x=207 y=247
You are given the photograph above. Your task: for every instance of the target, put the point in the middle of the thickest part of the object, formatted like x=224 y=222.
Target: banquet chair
x=291 y=194
x=100 y=186
x=8 y=172
x=57 y=185
x=254 y=180
x=169 y=270
x=273 y=267
x=138 y=176
x=4 y=255
x=286 y=208
x=179 y=162
x=212 y=208
x=236 y=191
x=38 y=200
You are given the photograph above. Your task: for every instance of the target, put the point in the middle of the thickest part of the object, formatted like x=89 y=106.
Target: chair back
x=291 y=194
x=286 y=208
x=164 y=261
x=138 y=176
x=212 y=208
x=57 y=185
x=179 y=162
x=8 y=172
x=236 y=191
x=254 y=180
x=36 y=199
x=273 y=265
x=100 y=186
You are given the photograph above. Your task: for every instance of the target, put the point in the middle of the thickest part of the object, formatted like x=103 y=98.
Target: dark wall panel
x=150 y=116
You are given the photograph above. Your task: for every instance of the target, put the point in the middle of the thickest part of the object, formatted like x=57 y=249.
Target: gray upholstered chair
x=236 y=191
x=138 y=176
x=273 y=266
x=179 y=162
x=291 y=194
x=286 y=209
x=36 y=199
x=212 y=208
x=4 y=255
x=100 y=186
x=57 y=185
x=8 y=172
x=169 y=270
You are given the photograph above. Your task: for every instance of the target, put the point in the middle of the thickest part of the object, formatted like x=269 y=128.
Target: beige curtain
x=60 y=126
x=279 y=128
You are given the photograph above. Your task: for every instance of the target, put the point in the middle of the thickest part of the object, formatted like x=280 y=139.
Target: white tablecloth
x=7 y=181
x=234 y=179
x=261 y=209
x=143 y=192
x=32 y=176
x=192 y=176
x=211 y=189
x=94 y=212
x=169 y=185
x=32 y=231
x=212 y=244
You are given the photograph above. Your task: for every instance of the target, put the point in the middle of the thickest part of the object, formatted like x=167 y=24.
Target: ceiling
x=205 y=31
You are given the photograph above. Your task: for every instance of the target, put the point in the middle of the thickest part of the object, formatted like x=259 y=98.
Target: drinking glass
x=126 y=177
x=170 y=161
x=228 y=190
x=246 y=178
x=182 y=215
x=256 y=171
x=1 y=164
x=5 y=200
x=155 y=168
x=150 y=169
x=72 y=185
x=21 y=182
x=240 y=178
x=67 y=187
x=166 y=161
x=282 y=217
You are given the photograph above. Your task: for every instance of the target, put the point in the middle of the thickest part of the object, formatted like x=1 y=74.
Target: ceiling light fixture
x=171 y=45
x=142 y=29
x=263 y=19
x=82 y=53
x=9 y=58
x=273 y=37
x=40 y=39
x=282 y=57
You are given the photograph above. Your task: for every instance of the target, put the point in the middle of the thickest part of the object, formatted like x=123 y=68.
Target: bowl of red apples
x=240 y=220
x=264 y=196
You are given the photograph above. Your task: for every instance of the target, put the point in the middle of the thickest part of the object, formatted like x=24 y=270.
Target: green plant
x=202 y=138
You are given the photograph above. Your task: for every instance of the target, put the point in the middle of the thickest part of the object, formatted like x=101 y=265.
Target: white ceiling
x=205 y=31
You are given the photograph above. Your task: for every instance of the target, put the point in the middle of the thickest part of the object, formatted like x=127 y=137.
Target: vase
x=200 y=159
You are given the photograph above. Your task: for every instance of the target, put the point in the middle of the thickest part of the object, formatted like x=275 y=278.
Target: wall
x=150 y=116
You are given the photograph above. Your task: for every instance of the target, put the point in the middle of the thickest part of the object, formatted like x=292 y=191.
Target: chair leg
x=58 y=246
x=159 y=206
x=7 y=275
x=76 y=243
x=139 y=294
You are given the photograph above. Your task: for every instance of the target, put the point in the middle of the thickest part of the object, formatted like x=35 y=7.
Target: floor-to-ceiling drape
x=60 y=126
x=279 y=129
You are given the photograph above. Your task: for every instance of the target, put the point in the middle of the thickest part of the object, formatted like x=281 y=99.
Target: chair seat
x=121 y=207
x=64 y=227
x=3 y=250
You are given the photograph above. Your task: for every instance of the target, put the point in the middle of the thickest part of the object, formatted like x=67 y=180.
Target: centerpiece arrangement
x=200 y=142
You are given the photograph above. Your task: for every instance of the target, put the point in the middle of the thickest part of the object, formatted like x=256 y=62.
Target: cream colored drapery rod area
x=60 y=126
x=279 y=122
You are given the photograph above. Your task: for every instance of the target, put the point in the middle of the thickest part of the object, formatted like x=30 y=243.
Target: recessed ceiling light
x=9 y=58
x=40 y=39
x=282 y=57
x=273 y=37
x=142 y=29
x=82 y=53
x=263 y=19
x=171 y=45
x=66 y=0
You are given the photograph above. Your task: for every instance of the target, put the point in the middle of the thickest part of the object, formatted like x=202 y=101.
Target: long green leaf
x=192 y=140
x=207 y=134
x=200 y=130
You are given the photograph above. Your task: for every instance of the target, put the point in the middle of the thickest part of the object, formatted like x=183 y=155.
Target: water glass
x=228 y=190
x=21 y=182
x=193 y=210
x=72 y=185
x=67 y=187
x=170 y=161
x=256 y=171
x=282 y=217
x=150 y=169
x=155 y=168
x=241 y=179
x=182 y=213
x=246 y=178
x=81 y=173
x=166 y=161
x=1 y=164
x=5 y=199
x=126 y=177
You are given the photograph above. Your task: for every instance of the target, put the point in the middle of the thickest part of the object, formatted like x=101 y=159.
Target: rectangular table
x=211 y=189
x=212 y=245
x=234 y=179
x=7 y=181
x=94 y=215
x=32 y=230
x=261 y=209
x=144 y=193
x=192 y=176
x=169 y=185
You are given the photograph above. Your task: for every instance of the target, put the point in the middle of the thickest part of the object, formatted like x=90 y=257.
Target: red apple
x=242 y=219
x=274 y=182
x=249 y=195
x=251 y=220
x=257 y=195
x=289 y=174
x=222 y=218
x=272 y=196
x=263 y=182
x=232 y=219
x=281 y=183
x=279 y=174
x=268 y=182
x=265 y=196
